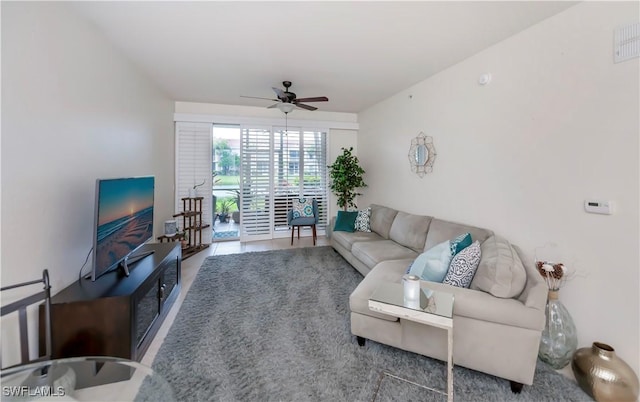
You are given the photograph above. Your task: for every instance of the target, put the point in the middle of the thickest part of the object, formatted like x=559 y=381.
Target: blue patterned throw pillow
x=302 y=208
x=463 y=266
x=363 y=220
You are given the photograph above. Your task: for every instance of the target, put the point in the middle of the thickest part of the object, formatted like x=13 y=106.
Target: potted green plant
x=225 y=207
x=236 y=198
x=346 y=176
x=184 y=240
x=215 y=180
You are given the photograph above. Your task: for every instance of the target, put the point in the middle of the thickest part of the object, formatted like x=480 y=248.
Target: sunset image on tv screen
x=125 y=218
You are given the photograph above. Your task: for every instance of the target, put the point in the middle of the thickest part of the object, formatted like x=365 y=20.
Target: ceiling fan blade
x=275 y=105
x=257 y=97
x=308 y=107
x=281 y=95
x=316 y=99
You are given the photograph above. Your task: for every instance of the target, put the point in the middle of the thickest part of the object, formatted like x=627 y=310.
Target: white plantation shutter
x=300 y=170
x=255 y=183
x=193 y=166
x=286 y=173
x=314 y=170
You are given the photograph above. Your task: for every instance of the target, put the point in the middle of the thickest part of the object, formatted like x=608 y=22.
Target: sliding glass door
x=226 y=181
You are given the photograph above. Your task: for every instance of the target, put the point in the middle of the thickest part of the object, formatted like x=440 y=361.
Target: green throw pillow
x=346 y=221
x=460 y=243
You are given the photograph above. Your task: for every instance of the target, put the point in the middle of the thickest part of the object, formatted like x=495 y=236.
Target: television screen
x=123 y=220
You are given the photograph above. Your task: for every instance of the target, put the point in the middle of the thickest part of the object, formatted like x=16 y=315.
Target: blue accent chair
x=304 y=221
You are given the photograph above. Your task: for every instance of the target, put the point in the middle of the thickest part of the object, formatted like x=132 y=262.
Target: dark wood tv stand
x=117 y=315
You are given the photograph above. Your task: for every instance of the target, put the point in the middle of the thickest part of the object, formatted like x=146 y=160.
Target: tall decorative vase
x=559 y=339
x=603 y=375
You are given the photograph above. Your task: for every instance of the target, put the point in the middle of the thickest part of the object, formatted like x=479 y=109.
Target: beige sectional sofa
x=498 y=335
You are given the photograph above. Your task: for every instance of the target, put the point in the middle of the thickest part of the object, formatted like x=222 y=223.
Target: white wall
x=558 y=124
x=258 y=112
x=73 y=110
x=337 y=137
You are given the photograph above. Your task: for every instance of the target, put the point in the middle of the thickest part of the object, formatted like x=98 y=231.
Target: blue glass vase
x=559 y=338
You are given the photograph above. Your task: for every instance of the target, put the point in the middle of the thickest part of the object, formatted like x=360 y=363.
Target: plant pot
x=236 y=216
x=223 y=217
x=603 y=375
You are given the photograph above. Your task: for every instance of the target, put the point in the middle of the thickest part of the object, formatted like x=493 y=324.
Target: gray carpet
x=274 y=326
x=394 y=388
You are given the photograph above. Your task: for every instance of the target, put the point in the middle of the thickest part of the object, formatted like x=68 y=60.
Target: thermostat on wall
x=598 y=207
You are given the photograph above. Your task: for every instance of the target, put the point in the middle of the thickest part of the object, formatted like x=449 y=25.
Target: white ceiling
x=355 y=53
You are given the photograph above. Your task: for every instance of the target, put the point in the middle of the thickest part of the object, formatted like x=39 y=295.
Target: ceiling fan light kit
x=285 y=107
x=287 y=101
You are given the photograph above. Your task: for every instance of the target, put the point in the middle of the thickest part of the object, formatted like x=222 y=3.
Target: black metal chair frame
x=21 y=307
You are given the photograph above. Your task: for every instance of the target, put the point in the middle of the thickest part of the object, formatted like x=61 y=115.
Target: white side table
x=433 y=308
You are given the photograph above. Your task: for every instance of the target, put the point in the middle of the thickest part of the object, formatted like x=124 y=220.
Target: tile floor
x=191 y=266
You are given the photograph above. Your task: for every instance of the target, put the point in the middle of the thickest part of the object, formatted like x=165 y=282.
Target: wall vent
x=626 y=42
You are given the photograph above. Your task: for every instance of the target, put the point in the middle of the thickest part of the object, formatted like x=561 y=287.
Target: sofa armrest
x=535 y=296
x=483 y=306
x=329 y=228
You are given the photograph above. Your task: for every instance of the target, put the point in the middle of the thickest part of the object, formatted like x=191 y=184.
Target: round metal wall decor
x=422 y=154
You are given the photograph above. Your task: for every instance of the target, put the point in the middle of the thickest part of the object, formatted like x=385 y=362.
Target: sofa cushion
x=432 y=265
x=463 y=266
x=371 y=253
x=347 y=239
x=381 y=219
x=384 y=273
x=410 y=230
x=363 y=220
x=500 y=272
x=346 y=221
x=440 y=231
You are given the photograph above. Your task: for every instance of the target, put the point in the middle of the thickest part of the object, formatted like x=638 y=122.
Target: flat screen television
x=123 y=221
